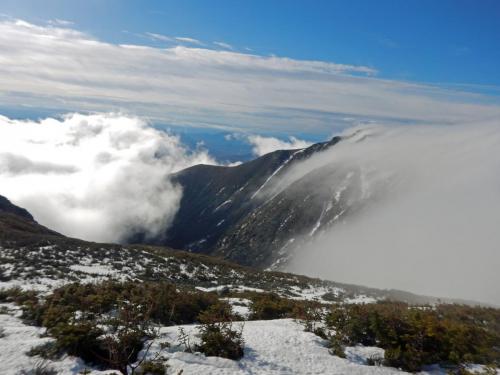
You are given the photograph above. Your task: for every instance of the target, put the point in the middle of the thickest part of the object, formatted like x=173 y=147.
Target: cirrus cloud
x=62 y=69
x=223 y=45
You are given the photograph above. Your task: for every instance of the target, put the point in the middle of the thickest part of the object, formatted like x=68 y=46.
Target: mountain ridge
x=218 y=201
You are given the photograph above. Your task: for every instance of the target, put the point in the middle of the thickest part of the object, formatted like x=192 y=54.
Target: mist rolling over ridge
x=427 y=218
x=406 y=207
x=100 y=177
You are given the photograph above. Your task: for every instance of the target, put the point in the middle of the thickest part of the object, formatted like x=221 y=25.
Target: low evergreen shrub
x=220 y=340
x=416 y=336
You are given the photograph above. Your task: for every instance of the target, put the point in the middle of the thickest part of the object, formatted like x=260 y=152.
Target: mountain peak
x=8 y=207
x=231 y=211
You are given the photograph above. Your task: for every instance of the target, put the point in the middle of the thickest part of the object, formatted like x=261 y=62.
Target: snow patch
x=273 y=347
x=96 y=269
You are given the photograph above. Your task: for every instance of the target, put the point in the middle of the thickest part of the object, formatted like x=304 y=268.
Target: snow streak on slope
x=275 y=173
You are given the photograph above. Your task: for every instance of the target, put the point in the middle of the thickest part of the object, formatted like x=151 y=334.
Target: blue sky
x=280 y=68
x=431 y=41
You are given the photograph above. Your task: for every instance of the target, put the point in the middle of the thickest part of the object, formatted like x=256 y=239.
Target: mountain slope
x=18 y=226
x=34 y=257
x=6 y=207
x=268 y=235
x=226 y=211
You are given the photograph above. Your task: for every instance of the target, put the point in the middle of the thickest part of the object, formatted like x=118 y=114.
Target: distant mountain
x=18 y=225
x=6 y=206
x=241 y=214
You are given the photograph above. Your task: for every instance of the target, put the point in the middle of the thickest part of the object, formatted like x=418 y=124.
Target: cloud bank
x=263 y=145
x=58 y=68
x=100 y=177
x=426 y=212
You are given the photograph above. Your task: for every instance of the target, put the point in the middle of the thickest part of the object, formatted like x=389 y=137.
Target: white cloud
x=223 y=45
x=60 y=22
x=170 y=39
x=188 y=40
x=159 y=37
x=99 y=177
x=12 y=164
x=423 y=208
x=263 y=145
x=63 y=69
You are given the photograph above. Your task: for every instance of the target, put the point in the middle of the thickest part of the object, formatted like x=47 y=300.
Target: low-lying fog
x=430 y=222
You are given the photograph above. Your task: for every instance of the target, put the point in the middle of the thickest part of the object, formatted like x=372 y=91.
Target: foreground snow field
x=274 y=347
x=18 y=338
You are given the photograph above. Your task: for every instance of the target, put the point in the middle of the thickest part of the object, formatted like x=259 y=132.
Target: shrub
x=320 y=332
x=218 y=312
x=4 y=310
x=122 y=346
x=271 y=306
x=40 y=368
x=48 y=350
x=28 y=300
x=166 y=304
x=217 y=337
x=152 y=368
x=336 y=347
x=313 y=316
x=184 y=340
x=417 y=336
x=375 y=360
x=220 y=340
x=79 y=339
x=107 y=324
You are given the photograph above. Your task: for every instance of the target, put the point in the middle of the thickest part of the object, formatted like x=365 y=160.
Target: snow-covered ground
x=44 y=268
x=272 y=347
x=360 y=299
x=240 y=306
x=18 y=338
